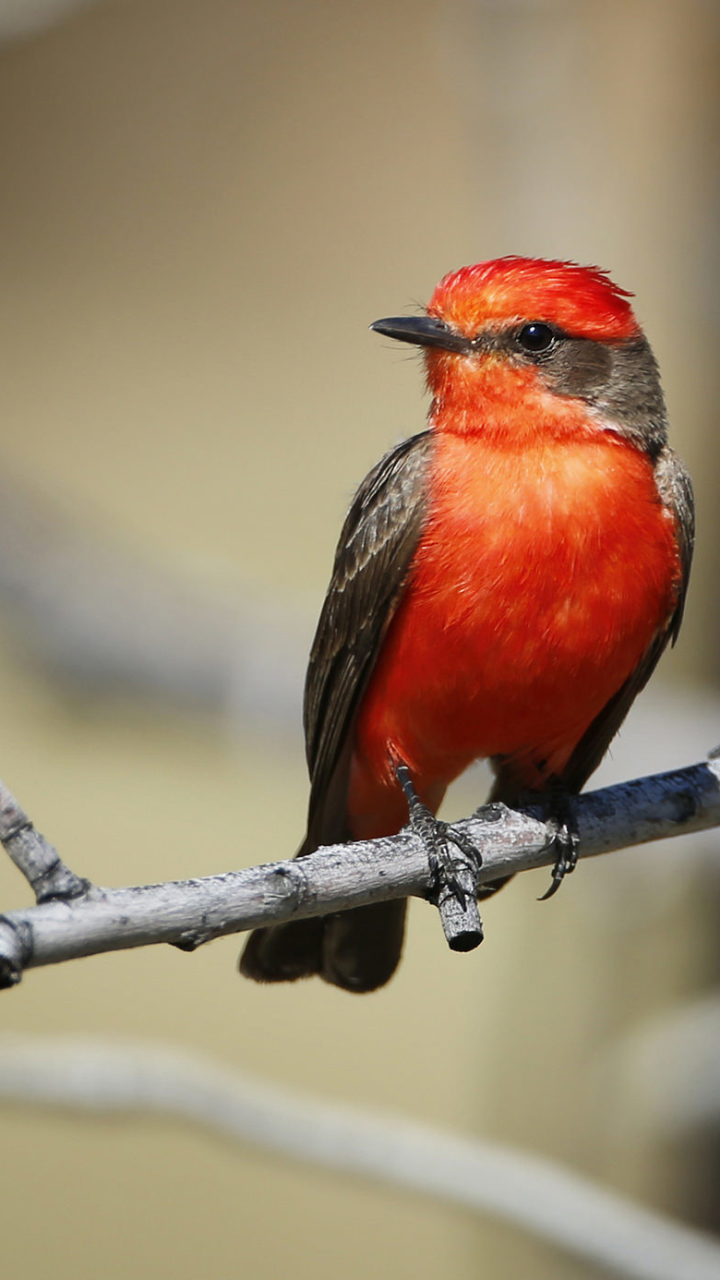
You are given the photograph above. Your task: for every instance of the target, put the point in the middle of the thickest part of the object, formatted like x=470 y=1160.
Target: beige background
x=204 y=204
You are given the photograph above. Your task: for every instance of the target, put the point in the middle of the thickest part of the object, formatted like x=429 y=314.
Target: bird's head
x=552 y=338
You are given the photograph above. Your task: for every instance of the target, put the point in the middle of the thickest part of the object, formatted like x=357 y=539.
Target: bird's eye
x=535 y=338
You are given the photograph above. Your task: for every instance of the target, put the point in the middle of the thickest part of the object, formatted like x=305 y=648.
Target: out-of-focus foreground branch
x=554 y=1203
x=74 y=918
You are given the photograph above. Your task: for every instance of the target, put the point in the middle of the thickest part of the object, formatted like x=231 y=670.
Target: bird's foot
x=565 y=842
x=437 y=836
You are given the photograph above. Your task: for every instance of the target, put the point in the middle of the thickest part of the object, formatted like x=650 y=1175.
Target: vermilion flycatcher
x=504 y=584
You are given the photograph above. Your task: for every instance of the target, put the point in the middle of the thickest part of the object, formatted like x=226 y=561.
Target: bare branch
x=191 y=912
x=535 y=1194
x=33 y=855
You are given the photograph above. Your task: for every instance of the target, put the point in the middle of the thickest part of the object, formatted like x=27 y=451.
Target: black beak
x=424 y=331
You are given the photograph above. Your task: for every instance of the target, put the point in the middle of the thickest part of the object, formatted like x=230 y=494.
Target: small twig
x=191 y=912
x=34 y=856
x=539 y=1196
x=457 y=904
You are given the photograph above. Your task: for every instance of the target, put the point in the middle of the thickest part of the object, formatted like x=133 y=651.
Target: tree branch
x=556 y=1204
x=188 y=913
x=34 y=856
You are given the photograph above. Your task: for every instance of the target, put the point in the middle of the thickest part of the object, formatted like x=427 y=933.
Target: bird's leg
x=436 y=836
x=565 y=841
x=454 y=880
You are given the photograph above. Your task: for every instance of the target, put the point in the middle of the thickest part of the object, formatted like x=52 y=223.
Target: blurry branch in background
x=20 y=18
x=74 y=918
x=102 y=620
x=530 y=1192
x=669 y=1067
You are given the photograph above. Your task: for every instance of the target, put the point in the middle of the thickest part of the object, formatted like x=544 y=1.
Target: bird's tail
x=358 y=950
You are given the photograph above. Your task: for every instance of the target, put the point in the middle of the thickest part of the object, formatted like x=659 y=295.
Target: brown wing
x=359 y=949
x=676 y=493
x=375 y=550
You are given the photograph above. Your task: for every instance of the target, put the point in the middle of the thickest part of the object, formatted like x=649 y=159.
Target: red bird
x=504 y=584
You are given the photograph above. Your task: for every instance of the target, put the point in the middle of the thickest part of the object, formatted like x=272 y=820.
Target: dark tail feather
x=357 y=950
x=284 y=952
x=362 y=947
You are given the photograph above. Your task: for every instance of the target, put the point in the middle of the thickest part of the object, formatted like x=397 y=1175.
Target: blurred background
x=204 y=203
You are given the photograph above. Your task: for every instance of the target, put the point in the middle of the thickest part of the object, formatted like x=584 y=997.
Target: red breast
x=546 y=568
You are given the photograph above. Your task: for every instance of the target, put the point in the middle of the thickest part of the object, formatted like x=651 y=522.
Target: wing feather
x=375 y=551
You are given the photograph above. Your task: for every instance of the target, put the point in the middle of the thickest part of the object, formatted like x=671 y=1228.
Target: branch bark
x=189 y=913
x=34 y=856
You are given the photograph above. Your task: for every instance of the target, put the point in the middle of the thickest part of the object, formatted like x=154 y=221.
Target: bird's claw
x=565 y=841
x=444 y=869
x=437 y=836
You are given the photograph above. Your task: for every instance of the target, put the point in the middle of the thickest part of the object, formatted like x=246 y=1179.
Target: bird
x=504 y=583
